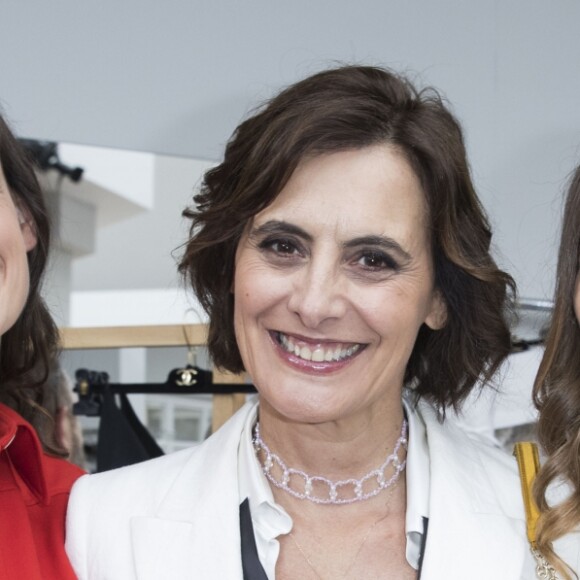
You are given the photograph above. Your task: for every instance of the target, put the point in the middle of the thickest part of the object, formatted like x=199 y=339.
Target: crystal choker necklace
x=341 y=492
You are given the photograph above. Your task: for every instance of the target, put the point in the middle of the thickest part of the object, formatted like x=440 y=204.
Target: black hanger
x=187 y=380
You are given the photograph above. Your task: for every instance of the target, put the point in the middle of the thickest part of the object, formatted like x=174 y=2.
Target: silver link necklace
x=377 y=477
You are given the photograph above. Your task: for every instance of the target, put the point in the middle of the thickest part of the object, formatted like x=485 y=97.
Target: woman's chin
x=301 y=409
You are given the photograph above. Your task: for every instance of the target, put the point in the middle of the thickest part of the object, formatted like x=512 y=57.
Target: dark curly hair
x=30 y=345
x=557 y=392
x=353 y=107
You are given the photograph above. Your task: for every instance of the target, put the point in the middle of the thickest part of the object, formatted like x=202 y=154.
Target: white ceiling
x=176 y=76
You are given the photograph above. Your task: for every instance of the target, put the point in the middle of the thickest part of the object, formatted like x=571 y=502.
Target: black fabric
x=423 y=544
x=151 y=446
x=123 y=440
x=251 y=565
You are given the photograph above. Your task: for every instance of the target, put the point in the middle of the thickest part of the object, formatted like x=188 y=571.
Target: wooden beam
x=133 y=336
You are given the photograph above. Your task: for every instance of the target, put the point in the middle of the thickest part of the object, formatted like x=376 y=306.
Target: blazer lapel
x=162 y=548
x=195 y=532
x=476 y=527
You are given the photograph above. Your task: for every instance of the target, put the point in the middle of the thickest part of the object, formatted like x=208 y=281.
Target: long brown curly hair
x=30 y=345
x=557 y=394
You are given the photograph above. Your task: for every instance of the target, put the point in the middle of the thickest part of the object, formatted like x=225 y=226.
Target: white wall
x=141 y=252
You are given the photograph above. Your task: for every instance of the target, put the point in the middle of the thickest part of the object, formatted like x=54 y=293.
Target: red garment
x=34 y=490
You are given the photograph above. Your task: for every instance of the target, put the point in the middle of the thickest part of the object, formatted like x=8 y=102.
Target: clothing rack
x=228 y=390
x=533 y=317
x=535 y=305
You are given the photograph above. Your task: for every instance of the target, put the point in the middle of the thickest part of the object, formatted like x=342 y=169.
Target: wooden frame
x=133 y=336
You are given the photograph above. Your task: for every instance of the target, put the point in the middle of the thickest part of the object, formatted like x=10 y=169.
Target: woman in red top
x=34 y=483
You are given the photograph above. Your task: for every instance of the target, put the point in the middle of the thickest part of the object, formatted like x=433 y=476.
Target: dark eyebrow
x=280 y=227
x=382 y=242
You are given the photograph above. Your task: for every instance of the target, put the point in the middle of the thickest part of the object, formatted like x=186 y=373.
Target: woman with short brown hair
x=344 y=260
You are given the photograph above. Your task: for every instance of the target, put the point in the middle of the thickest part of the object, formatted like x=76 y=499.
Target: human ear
x=27 y=228
x=437 y=316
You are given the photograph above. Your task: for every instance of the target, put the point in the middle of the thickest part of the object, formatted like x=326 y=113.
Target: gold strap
x=529 y=464
x=528 y=459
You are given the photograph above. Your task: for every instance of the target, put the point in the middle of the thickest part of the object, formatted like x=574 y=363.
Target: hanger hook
x=191 y=350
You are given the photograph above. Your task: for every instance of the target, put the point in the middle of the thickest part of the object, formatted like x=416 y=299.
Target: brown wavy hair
x=352 y=107
x=557 y=393
x=29 y=346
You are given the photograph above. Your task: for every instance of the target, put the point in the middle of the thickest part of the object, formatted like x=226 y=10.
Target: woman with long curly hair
x=34 y=483
x=557 y=397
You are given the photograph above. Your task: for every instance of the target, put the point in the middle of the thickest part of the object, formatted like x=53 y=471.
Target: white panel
x=134 y=308
x=129 y=174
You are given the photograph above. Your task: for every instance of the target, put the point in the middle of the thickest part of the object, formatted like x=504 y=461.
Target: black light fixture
x=45 y=155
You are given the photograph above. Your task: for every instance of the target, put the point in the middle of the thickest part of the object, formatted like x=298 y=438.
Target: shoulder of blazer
x=147 y=484
x=485 y=476
x=194 y=486
x=476 y=511
x=143 y=483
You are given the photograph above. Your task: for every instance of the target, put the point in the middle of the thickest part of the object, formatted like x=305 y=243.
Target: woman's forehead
x=371 y=186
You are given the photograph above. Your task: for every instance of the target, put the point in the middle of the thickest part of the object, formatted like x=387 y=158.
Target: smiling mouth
x=318 y=352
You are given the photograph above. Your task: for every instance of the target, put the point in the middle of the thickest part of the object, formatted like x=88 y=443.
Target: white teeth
x=319 y=354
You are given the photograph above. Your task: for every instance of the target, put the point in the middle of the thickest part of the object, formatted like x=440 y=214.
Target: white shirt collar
x=270 y=520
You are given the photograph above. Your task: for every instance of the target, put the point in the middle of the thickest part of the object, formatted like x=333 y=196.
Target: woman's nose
x=317 y=295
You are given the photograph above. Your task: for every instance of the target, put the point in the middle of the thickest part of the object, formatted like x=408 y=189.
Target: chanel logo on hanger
x=186 y=377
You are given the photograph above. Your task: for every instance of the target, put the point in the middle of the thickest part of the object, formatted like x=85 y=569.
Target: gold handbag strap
x=528 y=459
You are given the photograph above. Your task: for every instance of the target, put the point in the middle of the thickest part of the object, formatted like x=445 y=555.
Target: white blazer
x=177 y=517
